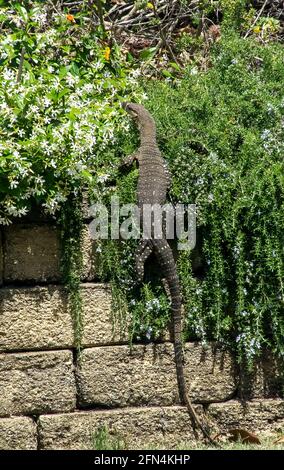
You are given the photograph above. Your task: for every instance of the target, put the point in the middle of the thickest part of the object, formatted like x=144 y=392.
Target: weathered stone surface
x=89 y=247
x=100 y=325
x=18 y=433
x=34 y=318
x=116 y=376
x=265 y=380
x=40 y=318
x=138 y=428
x=263 y=416
x=31 y=253
x=33 y=383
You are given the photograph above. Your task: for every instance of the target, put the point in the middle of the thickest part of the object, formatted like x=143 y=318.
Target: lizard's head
x=142 y=117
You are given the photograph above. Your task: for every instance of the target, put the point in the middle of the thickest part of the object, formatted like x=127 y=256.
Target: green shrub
x=222 y=134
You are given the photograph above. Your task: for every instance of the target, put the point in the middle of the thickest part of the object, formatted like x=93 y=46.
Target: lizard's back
x=153 y=178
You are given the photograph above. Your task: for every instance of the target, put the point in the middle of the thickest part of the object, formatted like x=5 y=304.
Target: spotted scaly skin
x=153 y=183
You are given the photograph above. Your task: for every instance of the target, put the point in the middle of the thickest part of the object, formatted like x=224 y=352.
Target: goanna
x=153 y=183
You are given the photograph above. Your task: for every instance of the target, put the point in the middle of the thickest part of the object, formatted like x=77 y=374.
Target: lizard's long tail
x=166 y=260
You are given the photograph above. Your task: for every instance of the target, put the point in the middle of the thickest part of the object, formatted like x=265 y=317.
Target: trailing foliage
x=70 y=224
x=222 y=134
x=225 y=143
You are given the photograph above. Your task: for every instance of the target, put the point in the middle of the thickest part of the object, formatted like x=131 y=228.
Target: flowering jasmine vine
x=64 y=112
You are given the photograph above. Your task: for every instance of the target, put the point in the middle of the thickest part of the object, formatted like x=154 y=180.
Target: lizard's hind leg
x=143 y=251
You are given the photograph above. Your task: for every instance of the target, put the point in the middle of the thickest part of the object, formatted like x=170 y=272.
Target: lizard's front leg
x=127 y=161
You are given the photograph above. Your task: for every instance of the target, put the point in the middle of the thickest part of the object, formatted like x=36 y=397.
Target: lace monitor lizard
x=153 y=183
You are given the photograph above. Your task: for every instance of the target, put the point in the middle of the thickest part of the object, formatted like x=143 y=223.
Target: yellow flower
x=107 y=53
x=257 y=29
x=70 y=18
x=150 y=5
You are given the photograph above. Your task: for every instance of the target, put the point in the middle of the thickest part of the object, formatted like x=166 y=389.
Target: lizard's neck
x=148 y=134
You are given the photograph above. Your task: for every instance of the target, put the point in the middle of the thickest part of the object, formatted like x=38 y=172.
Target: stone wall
x=51 y=399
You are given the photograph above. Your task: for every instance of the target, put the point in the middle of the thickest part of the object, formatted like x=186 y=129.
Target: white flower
x=71 y=172
x=71 y=79
x=149 y=333
x=97 y=65
x=236 y=251
x=8 y=75
x=200 y=181
x=266 y=134
x=14 y=184
x=12 y=210
x=240 y=337
x=34 y=109
x=103 y=178
x=18 y=21
x=22 y=211
x=194 y=71
x=88 y=88
x=39 y=180
x=40 y=17
x=5 y=221
x=46 y=102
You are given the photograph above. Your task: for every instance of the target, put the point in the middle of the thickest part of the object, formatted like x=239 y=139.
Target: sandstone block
x=135 y=428
x=34 y=318
x=260 y=416
x=34 y=383
x=18 y=433
x=100 y=324
x=266 y=380
x=145 y=375
x=31 y=253
x=40 y=318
